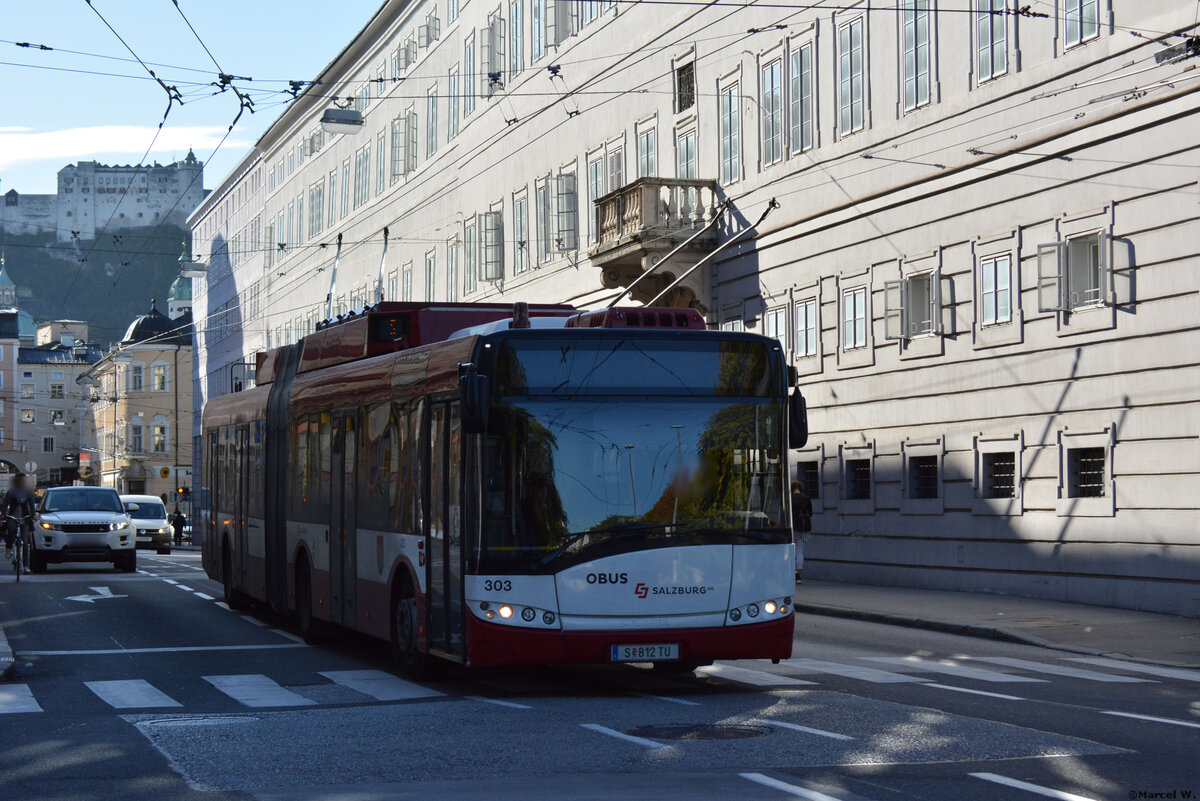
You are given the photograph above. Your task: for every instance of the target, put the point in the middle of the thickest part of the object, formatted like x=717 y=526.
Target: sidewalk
x=1094 y=630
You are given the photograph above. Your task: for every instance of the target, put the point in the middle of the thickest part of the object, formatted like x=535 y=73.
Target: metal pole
x=382 y=262
x=333 y=280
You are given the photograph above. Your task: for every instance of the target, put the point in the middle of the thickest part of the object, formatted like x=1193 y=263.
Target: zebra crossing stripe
x=962 y=671
x=17 y=698
x=130 y=694
x=379 y=685
x=1136 y=667
x=1060 y=670
x=873 y=675
x=758 y=678
x=256 y=690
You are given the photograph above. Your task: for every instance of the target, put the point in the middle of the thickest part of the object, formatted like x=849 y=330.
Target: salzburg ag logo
x=641 y=590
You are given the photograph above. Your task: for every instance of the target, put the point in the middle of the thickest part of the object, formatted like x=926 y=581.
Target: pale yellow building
x=142 y=411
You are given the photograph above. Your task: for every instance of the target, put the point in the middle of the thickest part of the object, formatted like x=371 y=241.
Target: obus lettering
x=607 y=578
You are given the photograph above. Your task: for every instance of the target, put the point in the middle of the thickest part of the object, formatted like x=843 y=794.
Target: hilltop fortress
x=90 y=193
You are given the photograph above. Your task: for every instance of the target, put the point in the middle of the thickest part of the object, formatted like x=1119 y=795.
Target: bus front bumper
x=493 y=644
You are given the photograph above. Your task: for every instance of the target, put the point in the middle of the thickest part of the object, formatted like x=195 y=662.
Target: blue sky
x=51 y=118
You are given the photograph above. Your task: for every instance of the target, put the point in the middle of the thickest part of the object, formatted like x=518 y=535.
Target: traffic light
x=185 y=493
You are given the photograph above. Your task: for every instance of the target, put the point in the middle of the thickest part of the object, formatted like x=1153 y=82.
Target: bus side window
x=300 y=465
x=326 y=460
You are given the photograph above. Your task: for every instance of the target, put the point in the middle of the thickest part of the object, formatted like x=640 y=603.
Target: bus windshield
x=569 y=477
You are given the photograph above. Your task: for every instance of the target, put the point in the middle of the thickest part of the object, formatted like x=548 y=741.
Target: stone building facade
x=983 y=263
x=93 y=196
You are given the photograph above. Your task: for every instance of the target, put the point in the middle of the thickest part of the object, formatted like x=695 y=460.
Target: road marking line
x=184 y=588
x=1033 y=788
x=962 y=671
x=668 y=699
x=17 y=698
x=170 y=650
x=204 y=596
x=287 y=635
x=974 y=692
x=758 y=678
x=1153 y=719
x=793 y=789
x=794 y=727
x=254 y=620
x=224 y=606
x=854 y=671
x=130 y=694
x=379 y=685
x=171 y=581
x=1060 y=670
x=498 y=702
x=620 y=735
x=1134 y=667
x=256 y=690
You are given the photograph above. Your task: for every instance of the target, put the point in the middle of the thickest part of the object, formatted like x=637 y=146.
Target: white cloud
x=19 y=146
x=13 y=128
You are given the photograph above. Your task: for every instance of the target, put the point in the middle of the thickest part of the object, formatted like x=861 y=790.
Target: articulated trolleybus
x=495 y=484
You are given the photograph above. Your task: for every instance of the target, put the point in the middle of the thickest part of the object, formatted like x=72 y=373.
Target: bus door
x=343 y=563
x=241 y=473
x=445 y=584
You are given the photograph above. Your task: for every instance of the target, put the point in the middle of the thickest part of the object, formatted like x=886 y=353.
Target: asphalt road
x=144 y=686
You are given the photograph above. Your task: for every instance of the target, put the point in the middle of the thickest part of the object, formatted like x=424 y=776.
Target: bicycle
x=18 y=556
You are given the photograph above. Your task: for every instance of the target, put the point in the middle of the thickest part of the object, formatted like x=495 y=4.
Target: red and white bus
x=496 y=484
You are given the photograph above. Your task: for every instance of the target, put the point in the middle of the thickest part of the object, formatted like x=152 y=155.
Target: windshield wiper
x=617 y=532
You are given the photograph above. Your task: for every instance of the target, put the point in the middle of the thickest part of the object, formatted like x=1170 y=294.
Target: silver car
x=83 y=524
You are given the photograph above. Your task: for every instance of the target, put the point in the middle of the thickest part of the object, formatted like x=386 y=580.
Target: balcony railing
x=654 y=205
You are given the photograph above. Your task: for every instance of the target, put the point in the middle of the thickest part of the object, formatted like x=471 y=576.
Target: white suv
x=150 y=519
x=82 y=524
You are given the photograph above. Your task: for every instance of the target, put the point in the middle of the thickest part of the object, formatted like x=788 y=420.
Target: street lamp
x=341 y=121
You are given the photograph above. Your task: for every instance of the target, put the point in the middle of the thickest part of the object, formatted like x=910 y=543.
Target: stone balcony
x=642 y=222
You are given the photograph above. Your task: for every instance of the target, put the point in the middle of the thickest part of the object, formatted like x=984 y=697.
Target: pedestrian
x=801 y=523
x=178 y=521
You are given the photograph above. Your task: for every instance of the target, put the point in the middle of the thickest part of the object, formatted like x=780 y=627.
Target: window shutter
x=1104 y=268
x=935 y=299
x=485 y=60
x=410 y=53
x=1051 y=281
x=423 y=35
x=561 y=23
x=893 y=310
x=410 y=142
x=568 y=213
x=492 y=265
x=435 y=27
x=616 y=169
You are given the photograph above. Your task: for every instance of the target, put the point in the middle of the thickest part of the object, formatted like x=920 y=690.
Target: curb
x=969 y=630
x=6 y=656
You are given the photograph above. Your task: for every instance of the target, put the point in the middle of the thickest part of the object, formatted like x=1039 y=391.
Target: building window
x=850 y=76
x=158 y=378
x=452 y=271
x=1073 y=274
x=566 y=233
x=733 y=324
x=806 y=328
x=991 y=43
x=56 y=391
x=923 y=482
x=685 y=87
x=397 y=134
x=451 y=10
x=809 y=476
x=158 y=438
x=430 y=275
x=912 y=306
x=47 y=444
x=380 y=163
x=995 y=290
x=521 y=235
x=393 y=286
x=595 y=192
x=516 y=34
x=858 y=479
x=406 y=293
x=730 y=135
x=775 y=326
x=58 y=417
x=916 y=53
x=469 y=259
x=545 y=224
x=345 y=187
x=616 y=168
x=802 y=98
x=998 y=477
x=854 y=318
x=26 y=391
x=28 y=416
x=539 y=28
x=1085 y=472
x=431 y=124
x=685 y=154
x=647 y=153
x=492 y=246
x=470 y=76
x=1082 y=18
x=452 y=98
x=136 y=444
x=772 y=112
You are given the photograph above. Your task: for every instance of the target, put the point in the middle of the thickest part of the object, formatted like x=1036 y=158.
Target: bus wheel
x=418 y=665
x=233 y=599
x=309 y=626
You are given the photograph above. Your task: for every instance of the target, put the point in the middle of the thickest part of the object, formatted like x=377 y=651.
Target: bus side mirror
x=476 y=398
x=797 y=421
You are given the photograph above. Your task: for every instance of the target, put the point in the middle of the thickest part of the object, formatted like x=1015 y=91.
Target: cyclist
x=19 y=504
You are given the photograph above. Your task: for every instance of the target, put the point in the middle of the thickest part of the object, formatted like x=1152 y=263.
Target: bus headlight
x=735 y=615
x=752 y=610
x=769 y=607
x=506 y=611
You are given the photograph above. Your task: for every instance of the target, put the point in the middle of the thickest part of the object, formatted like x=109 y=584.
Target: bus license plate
x=644 y=653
